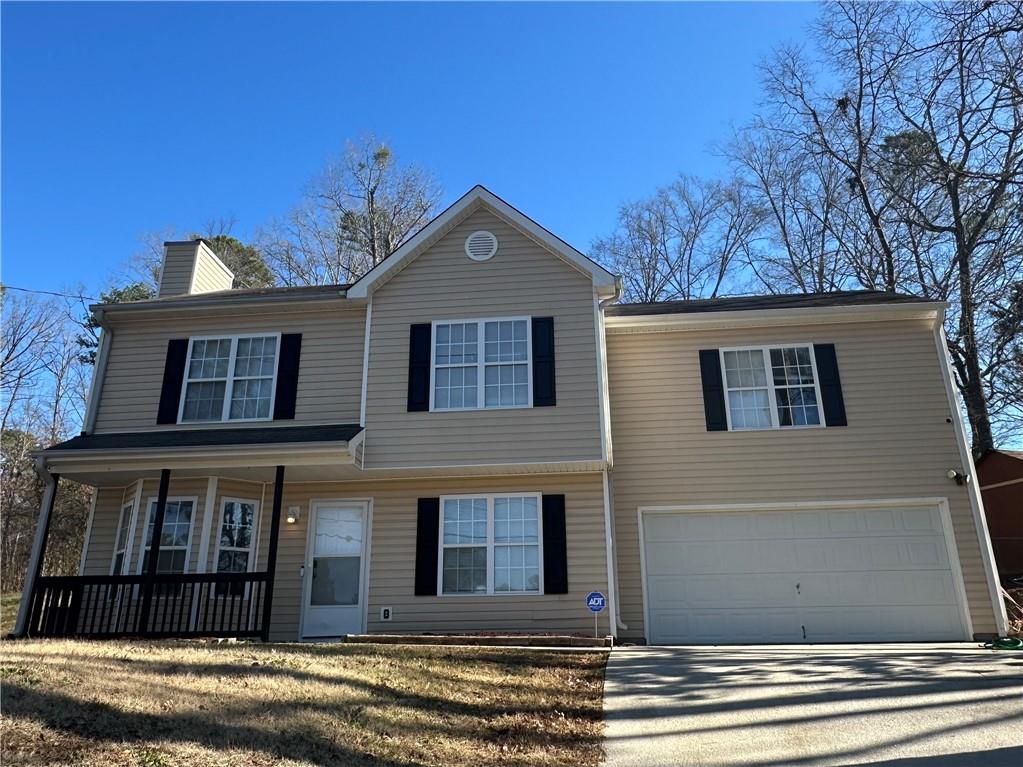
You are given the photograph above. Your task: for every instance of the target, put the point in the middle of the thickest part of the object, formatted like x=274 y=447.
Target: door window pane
x=337 y=556
x=338 y=532
x=335 y=581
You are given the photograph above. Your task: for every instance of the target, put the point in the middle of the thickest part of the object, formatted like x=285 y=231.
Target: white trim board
x=750 y=318
x=987 y=554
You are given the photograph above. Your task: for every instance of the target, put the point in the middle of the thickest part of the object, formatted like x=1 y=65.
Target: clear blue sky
x=119 y=119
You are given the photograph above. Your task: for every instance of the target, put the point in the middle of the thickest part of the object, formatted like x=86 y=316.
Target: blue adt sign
x=596 y=601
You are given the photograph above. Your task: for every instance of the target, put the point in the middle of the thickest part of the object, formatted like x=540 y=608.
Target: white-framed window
x=490 y=544
x=176 y=538
x=771 y=387
x=236 y=540
x=481 y=364
x=230 y=378
x=117 y=564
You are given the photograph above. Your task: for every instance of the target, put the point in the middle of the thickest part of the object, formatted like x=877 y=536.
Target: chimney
x=191 y=267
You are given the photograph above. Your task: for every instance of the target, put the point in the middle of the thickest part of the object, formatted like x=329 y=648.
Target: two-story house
x=476 y=435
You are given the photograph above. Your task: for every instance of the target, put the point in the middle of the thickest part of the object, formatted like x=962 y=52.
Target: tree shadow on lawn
x=302 y=726
x=100 y=722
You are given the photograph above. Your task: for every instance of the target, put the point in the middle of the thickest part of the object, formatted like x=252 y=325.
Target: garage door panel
x=673 y=557
x=851 y=574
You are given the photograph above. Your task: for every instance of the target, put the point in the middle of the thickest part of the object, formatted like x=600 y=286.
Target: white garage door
x=877 y=573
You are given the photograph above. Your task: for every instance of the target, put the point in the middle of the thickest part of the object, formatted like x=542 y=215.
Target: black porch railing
x=168 y=605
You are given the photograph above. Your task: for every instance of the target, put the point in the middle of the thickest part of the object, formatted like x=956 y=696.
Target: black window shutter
x=173 y=373
x=287 y=376
x=419 y=367
x=427 y=532
x=544 y=393
x=831 y=385
x=713 y=390
x=555 y=555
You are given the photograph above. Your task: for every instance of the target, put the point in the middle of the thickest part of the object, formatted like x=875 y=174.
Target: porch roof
x=171 y=438
x=315 y=452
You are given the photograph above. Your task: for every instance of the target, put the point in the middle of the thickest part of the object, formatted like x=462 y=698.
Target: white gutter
x=365 y=365
x=972 y=485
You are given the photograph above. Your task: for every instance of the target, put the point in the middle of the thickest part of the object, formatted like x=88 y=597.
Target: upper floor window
x=481 y=364
x=230 y=379
x=771 y=387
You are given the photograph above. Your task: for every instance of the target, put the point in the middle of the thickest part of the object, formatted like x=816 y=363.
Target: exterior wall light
x=294 y=514
x=957 y=477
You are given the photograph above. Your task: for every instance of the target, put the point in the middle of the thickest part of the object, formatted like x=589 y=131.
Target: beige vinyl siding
x=393 y=554
x=210 y=274
x=176 y=276
x=522 y=279
x=897 y=443
x=100 y=555
x=330 y=369
x=393 y=550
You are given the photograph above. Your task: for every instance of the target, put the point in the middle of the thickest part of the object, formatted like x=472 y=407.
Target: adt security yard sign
x=596 y=602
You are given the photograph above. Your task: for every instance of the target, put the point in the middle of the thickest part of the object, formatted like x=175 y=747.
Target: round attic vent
x=481 y=245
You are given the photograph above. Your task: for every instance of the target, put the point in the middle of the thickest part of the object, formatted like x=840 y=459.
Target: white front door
x=335 y=569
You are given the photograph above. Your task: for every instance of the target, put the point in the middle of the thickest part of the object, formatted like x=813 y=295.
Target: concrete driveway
x=893 y=705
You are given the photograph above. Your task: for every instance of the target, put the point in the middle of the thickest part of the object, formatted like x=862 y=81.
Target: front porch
x=150 y=603
x=300 y=544
x=195 y=556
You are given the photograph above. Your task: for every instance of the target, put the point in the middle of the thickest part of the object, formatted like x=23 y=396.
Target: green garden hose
x=1006 y=643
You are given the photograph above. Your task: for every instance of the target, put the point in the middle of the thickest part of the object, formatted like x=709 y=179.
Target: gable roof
x=604 y=281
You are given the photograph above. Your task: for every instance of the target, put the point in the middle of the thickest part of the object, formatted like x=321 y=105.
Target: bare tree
x=681 y=242
x=30 y=327
x=923 y=116
x=354 y=214
x=805 y=230
x=43 y=382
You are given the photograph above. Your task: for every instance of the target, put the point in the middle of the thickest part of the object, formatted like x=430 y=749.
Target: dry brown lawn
x=158 y=704
x=8 y=612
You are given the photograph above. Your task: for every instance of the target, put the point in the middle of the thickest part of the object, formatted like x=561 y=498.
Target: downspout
x=609 y=521
x=35 y=561
x=972 y=487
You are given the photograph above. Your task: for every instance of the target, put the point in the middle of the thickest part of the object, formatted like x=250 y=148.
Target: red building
x=1000 y=473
